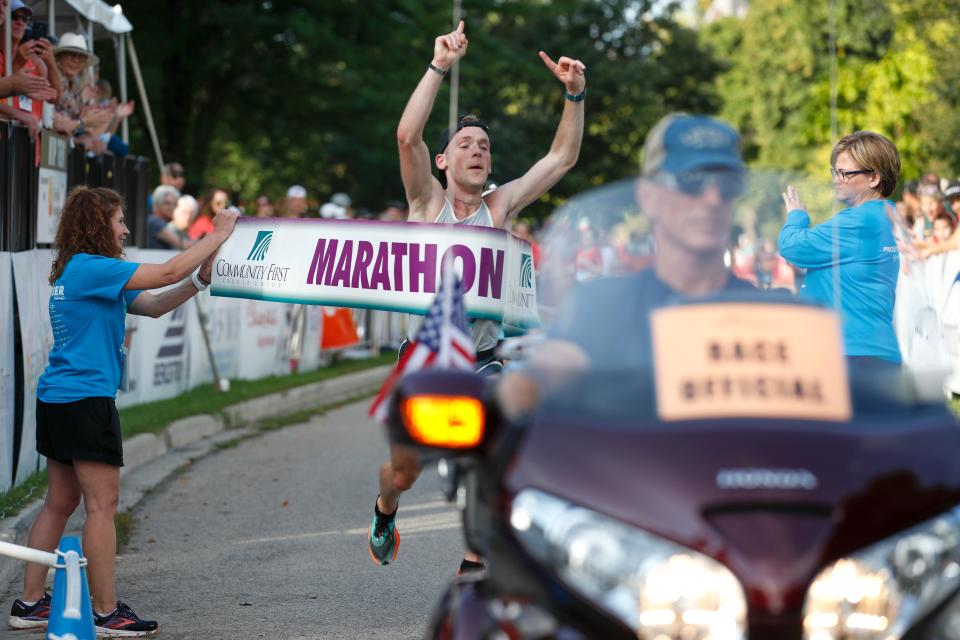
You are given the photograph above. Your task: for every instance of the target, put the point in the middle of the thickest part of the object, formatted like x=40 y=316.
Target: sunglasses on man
x=729 y=183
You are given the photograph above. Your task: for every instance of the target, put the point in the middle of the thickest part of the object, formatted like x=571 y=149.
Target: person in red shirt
x=214 y=203
x=33 y=58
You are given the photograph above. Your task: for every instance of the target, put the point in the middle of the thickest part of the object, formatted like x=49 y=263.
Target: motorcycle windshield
x=711 y=295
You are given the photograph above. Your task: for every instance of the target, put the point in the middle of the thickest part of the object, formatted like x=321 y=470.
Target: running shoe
x=123 y=623
x=469 y=566
x=384 y=537
x=33 y=616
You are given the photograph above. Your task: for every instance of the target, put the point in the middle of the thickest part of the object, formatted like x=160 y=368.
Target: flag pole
x=447 y=282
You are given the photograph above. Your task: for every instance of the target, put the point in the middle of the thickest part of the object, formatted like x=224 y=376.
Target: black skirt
x=87 y=429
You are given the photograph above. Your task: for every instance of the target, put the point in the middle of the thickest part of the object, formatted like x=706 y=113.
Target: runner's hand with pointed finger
x=449 y=48
x=568 y=71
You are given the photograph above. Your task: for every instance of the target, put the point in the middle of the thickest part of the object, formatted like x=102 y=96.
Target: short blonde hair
x=873 y=152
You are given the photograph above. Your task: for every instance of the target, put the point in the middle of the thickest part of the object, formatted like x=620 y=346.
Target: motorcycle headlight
x=659 y=588
x=878 y=593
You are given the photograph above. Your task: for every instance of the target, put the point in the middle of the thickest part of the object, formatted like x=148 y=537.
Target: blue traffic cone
x=71 y=613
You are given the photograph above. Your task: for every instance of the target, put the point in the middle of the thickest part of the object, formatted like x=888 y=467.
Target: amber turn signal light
x=446 y=422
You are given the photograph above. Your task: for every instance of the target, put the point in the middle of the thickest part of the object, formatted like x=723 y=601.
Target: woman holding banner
x=78 y=428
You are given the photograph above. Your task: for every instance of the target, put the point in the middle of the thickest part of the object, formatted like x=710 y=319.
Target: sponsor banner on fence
x=157 y=348
x=52 y=190
x=30 y=272
x=263 y=333
x=393 y=266
x=223 y=330
x=7 y=364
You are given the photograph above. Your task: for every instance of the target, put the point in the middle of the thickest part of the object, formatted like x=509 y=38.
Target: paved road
x=268 y=540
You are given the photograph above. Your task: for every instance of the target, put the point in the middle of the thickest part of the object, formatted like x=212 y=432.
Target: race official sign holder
x=392 y=266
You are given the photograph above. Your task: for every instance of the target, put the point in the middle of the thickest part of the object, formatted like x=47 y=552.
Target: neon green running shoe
x=384 y=537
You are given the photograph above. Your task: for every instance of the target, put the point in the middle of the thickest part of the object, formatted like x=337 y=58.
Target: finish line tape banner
x=394 y=266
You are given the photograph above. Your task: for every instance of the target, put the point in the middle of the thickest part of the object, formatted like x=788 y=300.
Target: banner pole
x=221 y=383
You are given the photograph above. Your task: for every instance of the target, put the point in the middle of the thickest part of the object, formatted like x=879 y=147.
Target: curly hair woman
x=78 y=428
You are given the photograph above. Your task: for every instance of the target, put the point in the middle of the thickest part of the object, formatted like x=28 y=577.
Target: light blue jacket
x=859 y=245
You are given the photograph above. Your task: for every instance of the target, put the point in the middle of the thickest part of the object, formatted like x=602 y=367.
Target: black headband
x=462 y=123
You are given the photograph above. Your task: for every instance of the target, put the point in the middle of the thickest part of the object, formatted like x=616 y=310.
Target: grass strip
x=13 y=500
x=154 y=416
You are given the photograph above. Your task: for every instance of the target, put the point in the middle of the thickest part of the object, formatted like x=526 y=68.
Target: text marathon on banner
x=393 y=266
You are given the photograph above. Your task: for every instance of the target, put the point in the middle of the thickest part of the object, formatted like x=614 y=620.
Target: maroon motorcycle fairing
x=872 y=481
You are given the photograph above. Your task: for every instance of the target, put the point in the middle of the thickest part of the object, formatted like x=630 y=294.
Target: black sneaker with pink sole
x=122 y=622
x=32 y=616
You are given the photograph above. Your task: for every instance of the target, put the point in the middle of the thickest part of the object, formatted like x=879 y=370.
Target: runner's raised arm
x=512 y=197
x=423 y=190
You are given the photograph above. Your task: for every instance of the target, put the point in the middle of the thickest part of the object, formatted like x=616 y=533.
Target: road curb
x=186 y=431
x=150 y=458
x=142 y=448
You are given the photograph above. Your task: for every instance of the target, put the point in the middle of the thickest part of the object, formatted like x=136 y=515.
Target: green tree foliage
x=260 y=95
x=895 y=74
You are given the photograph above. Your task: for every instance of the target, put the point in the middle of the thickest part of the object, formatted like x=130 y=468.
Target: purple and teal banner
x=394 y=266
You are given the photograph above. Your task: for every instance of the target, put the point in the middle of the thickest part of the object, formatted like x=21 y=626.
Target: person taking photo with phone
x=33 y=57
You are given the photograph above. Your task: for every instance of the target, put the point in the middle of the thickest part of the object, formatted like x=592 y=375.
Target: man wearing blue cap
x=692 y=174
x=456 y=196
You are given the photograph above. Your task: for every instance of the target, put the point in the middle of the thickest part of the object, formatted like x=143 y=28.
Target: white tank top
x=479 y=218
x=485 y=333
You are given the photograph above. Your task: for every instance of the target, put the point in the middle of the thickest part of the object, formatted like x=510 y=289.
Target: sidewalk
x=151 y=458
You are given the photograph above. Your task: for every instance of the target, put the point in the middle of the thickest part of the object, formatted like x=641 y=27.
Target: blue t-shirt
x=88 y=307
x=858 y=242
x=609 y=318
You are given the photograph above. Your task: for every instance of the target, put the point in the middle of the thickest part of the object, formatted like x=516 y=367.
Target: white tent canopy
x=104 y=19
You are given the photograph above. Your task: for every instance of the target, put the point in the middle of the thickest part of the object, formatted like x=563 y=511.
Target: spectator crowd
x=55 y=85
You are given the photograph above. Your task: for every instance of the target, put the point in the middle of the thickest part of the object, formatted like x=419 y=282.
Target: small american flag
x=443 y=341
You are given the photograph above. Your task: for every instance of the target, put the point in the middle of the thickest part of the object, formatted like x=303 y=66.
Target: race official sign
x=393 y=266
x=724 y=360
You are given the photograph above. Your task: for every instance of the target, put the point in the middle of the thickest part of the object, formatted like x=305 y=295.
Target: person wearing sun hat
x=75 y=114
x=76 y=43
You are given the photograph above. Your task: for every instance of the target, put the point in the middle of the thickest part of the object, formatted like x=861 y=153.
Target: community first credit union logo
x=260 y=246
x=526 y=271
x=518 y=297
x=265 y=275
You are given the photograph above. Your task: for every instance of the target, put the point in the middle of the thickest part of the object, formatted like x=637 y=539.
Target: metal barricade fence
x=380 y=330
x=19 y=187
x=19 y=179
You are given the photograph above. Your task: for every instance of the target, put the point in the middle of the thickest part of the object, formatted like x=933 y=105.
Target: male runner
x=454 y=196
